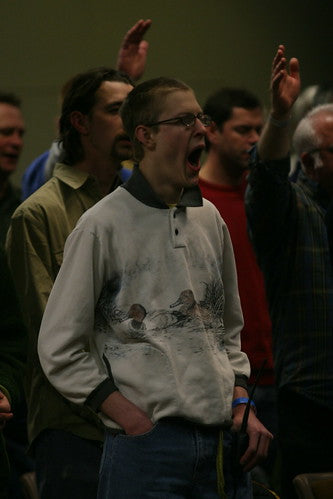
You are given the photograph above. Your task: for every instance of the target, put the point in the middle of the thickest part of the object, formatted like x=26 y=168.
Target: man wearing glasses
x=167 y=384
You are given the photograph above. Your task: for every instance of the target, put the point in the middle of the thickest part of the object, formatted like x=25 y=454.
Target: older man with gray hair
x=289 y=225
x=313 y=143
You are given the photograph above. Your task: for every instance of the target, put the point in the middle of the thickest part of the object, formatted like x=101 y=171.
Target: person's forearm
x=274 y=142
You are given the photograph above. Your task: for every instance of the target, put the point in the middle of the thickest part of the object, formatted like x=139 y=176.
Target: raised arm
x=132 y=54
x=285 y=88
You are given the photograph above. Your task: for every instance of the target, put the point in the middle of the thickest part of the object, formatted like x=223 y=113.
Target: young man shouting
x=164 y=381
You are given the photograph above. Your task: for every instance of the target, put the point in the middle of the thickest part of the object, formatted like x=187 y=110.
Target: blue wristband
x=243 y=400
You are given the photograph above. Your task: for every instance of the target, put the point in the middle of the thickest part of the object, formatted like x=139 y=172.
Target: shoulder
x=110 y=207
x=46 y=201
x=105 y=212
x=210 y=211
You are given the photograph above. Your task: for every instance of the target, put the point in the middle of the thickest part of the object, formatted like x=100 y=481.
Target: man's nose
x=16 y=139
x=254 y=136
x=200 y=127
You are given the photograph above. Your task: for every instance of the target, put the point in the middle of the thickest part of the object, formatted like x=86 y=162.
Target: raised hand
x=132 y=54
x=5 y=410
x=285 y=86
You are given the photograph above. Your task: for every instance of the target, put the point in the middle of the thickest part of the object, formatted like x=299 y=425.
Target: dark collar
x=313 y=190
x=140 y=188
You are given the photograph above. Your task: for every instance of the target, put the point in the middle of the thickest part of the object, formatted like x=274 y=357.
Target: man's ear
x=309 y=164
x=145 y=136
x=80 y=122
x=211 y=132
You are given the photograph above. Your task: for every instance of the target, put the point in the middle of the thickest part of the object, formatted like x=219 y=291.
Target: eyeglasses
x=318 y=149
x=187 y=120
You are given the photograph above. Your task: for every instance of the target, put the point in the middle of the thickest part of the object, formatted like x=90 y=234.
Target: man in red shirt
x=237 y=122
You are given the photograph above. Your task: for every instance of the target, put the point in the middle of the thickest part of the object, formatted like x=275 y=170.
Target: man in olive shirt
x=66 y=440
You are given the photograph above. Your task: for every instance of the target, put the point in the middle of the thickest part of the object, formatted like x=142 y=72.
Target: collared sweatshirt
x=146 y=302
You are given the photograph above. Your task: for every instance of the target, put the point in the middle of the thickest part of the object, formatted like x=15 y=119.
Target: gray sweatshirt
x=146 y=302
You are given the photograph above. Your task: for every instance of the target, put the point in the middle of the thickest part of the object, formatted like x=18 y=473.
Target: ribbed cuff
x=101 y=392
x=241 y=380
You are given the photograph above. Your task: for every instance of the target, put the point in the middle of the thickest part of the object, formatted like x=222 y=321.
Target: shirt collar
x=70 y=175
x=313 y=189
x=140 y=188
x=76 y=178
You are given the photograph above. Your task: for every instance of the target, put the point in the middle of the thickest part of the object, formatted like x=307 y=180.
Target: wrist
x=243 y=401
x=279 y=120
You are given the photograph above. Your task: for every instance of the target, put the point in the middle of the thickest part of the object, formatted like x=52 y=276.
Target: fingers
x=145 y=26
x=280 y=64
x=279 y=54
x=278 y=67
x=137 y=32
x=4 y=417
x=277 y=79
x=257 y=450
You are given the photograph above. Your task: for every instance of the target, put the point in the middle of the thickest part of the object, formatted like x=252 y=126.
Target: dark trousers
x=305 y=438
x=67 y=466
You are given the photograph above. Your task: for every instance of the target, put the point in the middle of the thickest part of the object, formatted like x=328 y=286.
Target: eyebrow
x=114 y=103
x=11 y=129
x=185 y=113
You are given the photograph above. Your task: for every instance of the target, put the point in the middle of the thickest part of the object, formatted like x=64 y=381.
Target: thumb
x=294 y=67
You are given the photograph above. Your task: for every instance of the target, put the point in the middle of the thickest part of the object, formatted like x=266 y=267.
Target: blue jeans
x=237 y=485
x=174 y=460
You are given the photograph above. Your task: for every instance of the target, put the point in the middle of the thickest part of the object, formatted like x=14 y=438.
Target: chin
x=8 y=168
x=192 y=181
x=123 y=155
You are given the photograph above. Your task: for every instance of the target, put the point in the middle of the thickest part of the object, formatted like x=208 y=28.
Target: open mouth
x=193 y=159
x=11 y=157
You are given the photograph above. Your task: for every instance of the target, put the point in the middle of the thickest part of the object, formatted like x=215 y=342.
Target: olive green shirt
x=35 y=243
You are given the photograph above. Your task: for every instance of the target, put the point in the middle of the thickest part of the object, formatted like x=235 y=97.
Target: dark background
x=206 y=43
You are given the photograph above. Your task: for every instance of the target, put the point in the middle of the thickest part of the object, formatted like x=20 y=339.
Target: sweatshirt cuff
x=241 y=380
x=100 y=393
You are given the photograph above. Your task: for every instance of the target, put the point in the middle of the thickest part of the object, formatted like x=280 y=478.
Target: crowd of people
x=170 y=321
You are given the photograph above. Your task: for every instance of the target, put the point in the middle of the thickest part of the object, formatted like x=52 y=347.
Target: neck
x=104 y=173
x=221 y=172
x=4 y=181
x=169 y=193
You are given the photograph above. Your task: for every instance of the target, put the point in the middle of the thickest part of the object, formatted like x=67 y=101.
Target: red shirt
x=256 y=335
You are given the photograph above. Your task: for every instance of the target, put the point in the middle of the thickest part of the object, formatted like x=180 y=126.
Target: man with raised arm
x=156 y=300
x=288 y=225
